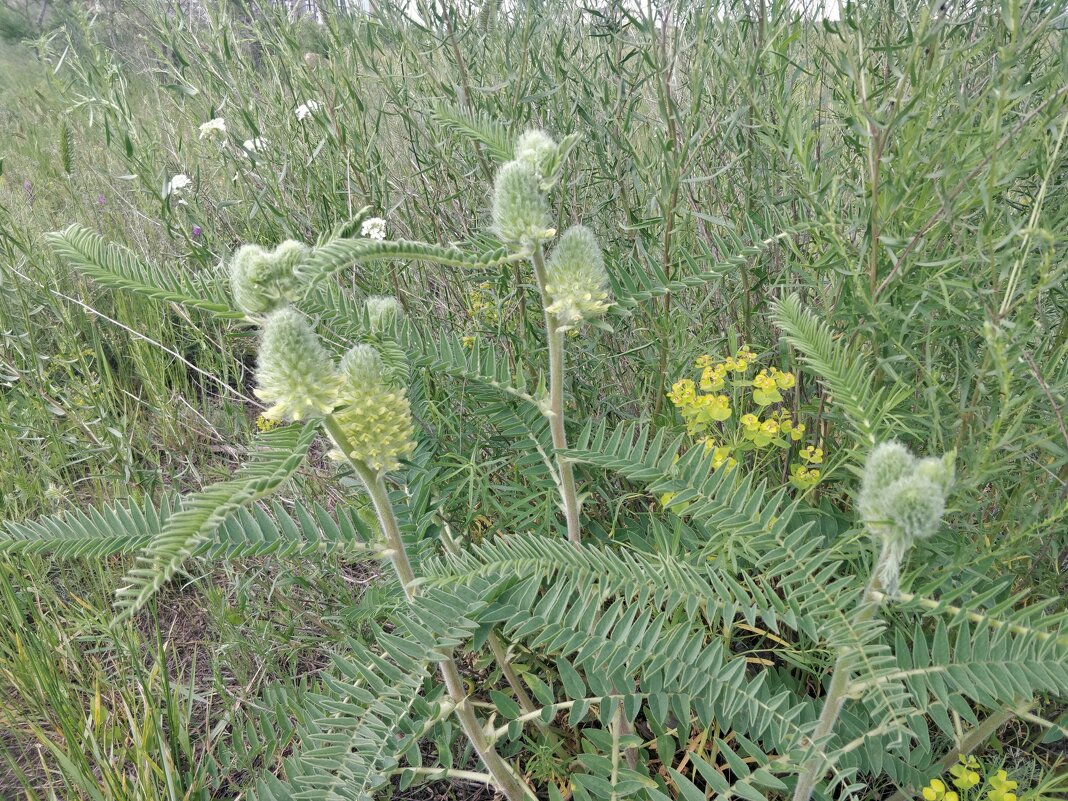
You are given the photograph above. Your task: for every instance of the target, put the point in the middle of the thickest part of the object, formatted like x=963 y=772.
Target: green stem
x=504 y=775
x=836 y=695
x=555 y=339
x=448 y=773
x=497 y=646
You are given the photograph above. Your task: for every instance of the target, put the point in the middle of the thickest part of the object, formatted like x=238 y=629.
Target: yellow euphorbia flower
x=936 y=791
x=765 y=390
x=804 y=478
x=721 y=454
x=1001 y=787
x=783 y=380
x=683 y=392
x=712 y=378
x=966 y=773
x=812 y=455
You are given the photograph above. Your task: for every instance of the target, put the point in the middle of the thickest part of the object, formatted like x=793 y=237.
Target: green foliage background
x=902 y=171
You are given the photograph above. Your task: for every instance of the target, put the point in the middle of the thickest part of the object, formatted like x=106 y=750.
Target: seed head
x=294 y=373
x=940 y=472
x=520 y=209
x=576 y=280
x=888 y=462
x=902 y=500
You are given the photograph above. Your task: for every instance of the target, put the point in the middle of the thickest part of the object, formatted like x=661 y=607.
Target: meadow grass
x=906 y=168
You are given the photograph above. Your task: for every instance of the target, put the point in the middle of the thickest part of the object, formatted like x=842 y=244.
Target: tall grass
x=909 y=162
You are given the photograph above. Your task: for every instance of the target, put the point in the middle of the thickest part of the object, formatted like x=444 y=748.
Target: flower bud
x=383 y=312
x=915 y=506
x=375 y=418
x=576 y=281
x=263 y=281
x=520 y=209
x=888 y=462
x=535 y=149
x=902 y=500
x=940 y=472
x=294 y=372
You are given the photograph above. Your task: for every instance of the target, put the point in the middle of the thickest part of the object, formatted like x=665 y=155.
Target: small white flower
x=306 y=109
x=178 y=183
x=257 y=145
x=213 y=128
x=374 y=228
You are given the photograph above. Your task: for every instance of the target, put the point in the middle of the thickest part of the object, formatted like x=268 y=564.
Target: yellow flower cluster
x=1001 y=787
x=804 y=477
x=484 y=310
x=721 y=454
x=708 y=402
x=768 y=383
x=266 y=424
x=936 y=791
x=482 y=304
x=699 y=411
x=966 y=775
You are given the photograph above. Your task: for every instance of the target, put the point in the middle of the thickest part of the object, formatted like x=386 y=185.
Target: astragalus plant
x=681 y=655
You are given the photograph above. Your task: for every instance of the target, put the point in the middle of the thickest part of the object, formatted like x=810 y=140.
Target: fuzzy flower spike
x=262 y=281
x=576 y=280
x=902 y=500
x=520 y=208
x=294 y=373
x=374 y=416
x=536 y=149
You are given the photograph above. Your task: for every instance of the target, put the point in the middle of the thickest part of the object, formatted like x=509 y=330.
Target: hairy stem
x=497 y=646
x=556 y=403
x=504 y=775
x=836 y=695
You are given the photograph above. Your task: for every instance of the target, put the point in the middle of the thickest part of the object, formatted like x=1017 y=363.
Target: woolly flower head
x=938 y=471
x=576 y=280
x=213 y=129
x=520 y=208
x=383 y=311
x=915 y=506
x=374 y=228
x=257 y=145
x=535 y=149
x=902 y=500
x=294 y=373
x=888 y=462
x=262 y=280
x=374 y=416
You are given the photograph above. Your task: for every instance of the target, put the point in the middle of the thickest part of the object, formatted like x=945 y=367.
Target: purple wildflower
x=197 y=231
x=101 y=199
